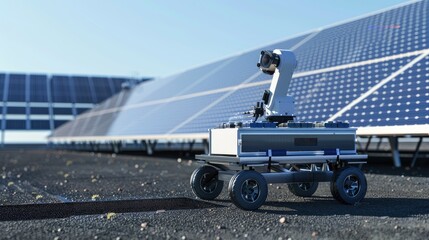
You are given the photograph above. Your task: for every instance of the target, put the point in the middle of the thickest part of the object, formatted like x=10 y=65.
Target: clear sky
x=153 y=38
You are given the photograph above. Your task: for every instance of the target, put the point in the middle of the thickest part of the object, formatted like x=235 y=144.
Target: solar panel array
x=372 y=71
x=42 y=102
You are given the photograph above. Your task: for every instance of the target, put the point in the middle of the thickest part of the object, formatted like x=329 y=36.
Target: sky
x=137 y=38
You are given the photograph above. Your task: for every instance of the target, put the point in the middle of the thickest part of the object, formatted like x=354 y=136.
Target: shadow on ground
x=62 y=210
x=379 y=207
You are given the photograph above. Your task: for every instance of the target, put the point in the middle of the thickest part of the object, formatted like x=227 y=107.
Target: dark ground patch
x=88 y=195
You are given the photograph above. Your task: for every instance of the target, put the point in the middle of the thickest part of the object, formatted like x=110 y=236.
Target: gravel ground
x=72 y=195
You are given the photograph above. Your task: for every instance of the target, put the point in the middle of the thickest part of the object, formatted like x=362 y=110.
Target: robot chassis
x=278 y=150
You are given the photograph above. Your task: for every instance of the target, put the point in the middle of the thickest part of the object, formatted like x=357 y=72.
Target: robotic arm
x=276 y=105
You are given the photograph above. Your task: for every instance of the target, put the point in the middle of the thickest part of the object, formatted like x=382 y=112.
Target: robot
x=273 y=148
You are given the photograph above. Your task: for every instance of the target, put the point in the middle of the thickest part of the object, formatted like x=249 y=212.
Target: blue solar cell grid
x=230 y=109
x=399 y=30
x=159 y=119
x=402 y=101
x=319 y=96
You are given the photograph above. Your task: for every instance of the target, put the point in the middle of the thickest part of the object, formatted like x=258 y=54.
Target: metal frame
x=281 y=169
x=393 y=133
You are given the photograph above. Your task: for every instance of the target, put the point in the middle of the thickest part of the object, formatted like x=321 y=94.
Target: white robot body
x=280 y=64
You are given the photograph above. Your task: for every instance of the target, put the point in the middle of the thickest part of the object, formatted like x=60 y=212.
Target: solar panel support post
x=379 y=142
x=191 y=145
x=206 y=146
x=395 y=151
x=116 y=146
x=367 y=143
x=149 y=146
x=416 y=152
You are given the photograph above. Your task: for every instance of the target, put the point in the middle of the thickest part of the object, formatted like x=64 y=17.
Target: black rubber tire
x=349 y=185
x=248 y=190
x=205 y=183
x=303 y=189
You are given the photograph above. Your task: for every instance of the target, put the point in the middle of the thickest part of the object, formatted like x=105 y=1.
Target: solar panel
x=402 y=101
x=393 y=32
x=320 y=96
x=371 y=71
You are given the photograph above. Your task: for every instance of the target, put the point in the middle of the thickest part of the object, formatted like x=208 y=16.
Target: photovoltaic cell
x=396 y=31
x=230 y=109
x=16 y=92
x=402 y=101
x=61 y=90
x=319 y=96
x=38 y=88
x=159 y=119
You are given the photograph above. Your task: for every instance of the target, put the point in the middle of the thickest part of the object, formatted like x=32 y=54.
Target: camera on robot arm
x=276 y=106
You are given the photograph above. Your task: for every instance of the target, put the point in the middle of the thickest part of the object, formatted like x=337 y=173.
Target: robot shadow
x=379 y=207
x=68 y=209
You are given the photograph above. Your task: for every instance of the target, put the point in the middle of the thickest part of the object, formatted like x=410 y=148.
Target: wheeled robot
x=277 y=149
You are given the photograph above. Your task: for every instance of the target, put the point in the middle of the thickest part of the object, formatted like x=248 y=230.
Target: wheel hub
x=351 y=185
x=208 y=183
x=304 y=186
x=250 y=190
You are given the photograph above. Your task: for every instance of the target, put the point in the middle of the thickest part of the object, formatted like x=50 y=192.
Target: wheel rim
x=208 y=183
x=304 y=186
x=351 y=185
x=250 y=190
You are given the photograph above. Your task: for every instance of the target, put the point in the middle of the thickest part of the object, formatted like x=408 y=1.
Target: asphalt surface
x=79 y=195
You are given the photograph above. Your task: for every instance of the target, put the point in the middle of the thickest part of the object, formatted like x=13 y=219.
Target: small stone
x=160 y=211
x=38 y=197
x=220 y=227
x=120 y=190
x=183 y=237
x=136 y=166
x=144 y=225
x=315 y=234
x=95 y=197
x=110 y=215
x=59 y=230
x=396 y=227
x=179 y=160
x=282 y=220
x=56 y=238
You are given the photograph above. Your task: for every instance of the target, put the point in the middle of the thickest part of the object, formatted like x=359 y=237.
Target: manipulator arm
x=276 y=105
